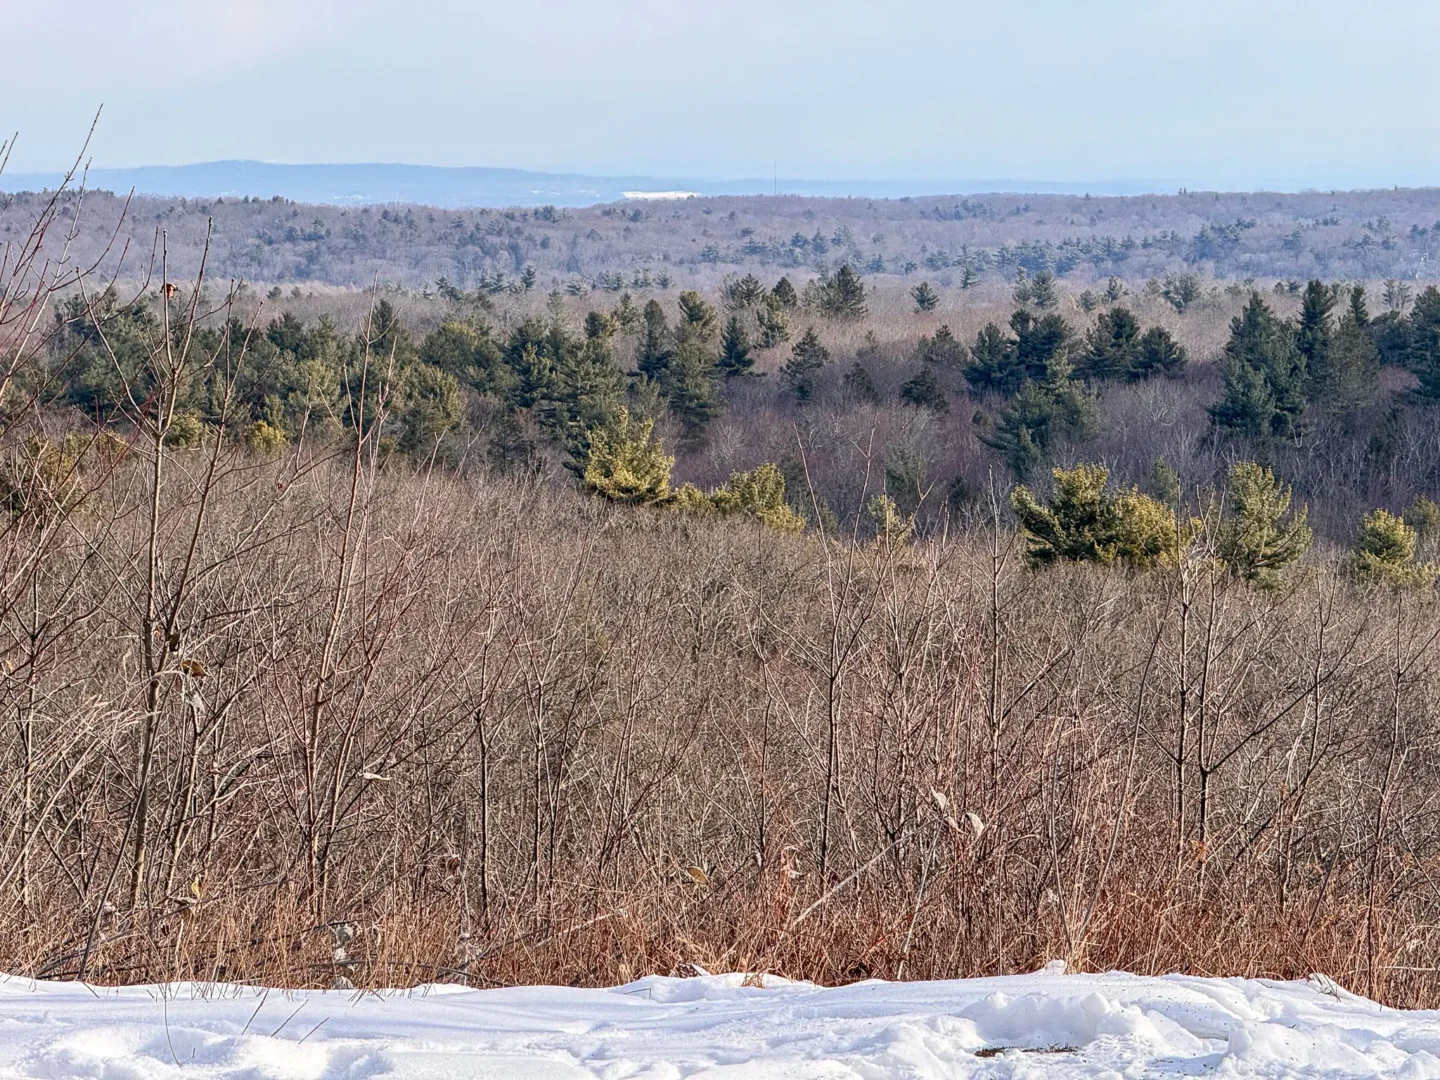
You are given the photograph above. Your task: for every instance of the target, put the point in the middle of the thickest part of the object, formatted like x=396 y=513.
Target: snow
x=1049 y=1024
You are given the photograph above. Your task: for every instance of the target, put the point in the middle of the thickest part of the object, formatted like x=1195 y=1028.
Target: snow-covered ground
x=1049 y=1024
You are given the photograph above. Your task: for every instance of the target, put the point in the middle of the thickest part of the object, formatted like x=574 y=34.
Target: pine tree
x=1260 y=536
x=1347 y=374
x=926 y=298
x=1160 y=354
x=1424 y=343
x=1083 y=521
x=842 y=295
x=1385 y=552
x=968 y=277
x=1264 y=377
x=774 y=321
x=1315 y=332
x=1112 y=347
x=784 y=294
x=1038 y=418
x=528 y=355
x=807 y=357
x=656 y=346
x=1358 y=311
x=925 y=392
x=742 y=294
x=585 y=393
x=1043 y=293
x=735 y=358
x=942 y=350
x=689 y=383
x=625 y=463
x=992 y=366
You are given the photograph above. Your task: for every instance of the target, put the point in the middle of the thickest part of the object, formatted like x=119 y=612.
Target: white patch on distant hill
x=661 y=194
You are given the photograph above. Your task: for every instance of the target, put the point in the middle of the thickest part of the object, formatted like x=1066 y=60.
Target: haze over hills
x=369 y=184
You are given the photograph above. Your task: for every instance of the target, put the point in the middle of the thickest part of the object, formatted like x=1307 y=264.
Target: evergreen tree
x=784 y=294
x=471 y=355
x=689 y=383
x=1264 y=376
x=735 y=358
x=742 y=294
x=807 y=357
x=1043 y=293
x=656 y=346
x=925 y=392
x=1002 y=365
x=1347 y=372
x=942 y=350
x=1039 y=343
x=758 y=493
x=926 y=298
x=1315 y=333
x=1385 y=552
x=1358 y=311
x=992 y=363
x=1083 y=521
x=968 y=277
x=1260 y=537
x=774 y=321
x=626 y=463
x=429 y=407
x=1424 y=343
x=1160 y=354
x=528 y=355
x=586 y=391
x=842 y=295
x=1112 y=347
x=1038 y=418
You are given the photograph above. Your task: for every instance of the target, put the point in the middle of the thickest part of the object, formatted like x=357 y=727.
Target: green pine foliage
x=690 y=380
x=1265 y=376
x=1084 y=521
x=735 y=358
x=925 y=297
x=924 y=391
x=656 y=345
x=807 y=357
x=842 y=295
x=627 y=463
x=773 y=319
x=1043 y=415
x=1384 y=553
x=942 y=350
x=1112 y=347
x=1260 y=537
x=784 y=294
x=1001 y=364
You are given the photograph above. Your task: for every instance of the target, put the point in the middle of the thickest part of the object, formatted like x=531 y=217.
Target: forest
x=819 y=620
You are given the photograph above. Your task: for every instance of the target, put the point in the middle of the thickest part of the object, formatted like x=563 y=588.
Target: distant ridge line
x=454 y=187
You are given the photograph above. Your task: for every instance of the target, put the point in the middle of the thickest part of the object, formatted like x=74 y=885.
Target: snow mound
x=719 y=1027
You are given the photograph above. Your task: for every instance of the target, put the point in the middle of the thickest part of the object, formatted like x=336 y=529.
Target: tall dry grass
x=510 y=735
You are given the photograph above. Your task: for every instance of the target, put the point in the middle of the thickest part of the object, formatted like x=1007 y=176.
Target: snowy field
x=1044 y=1025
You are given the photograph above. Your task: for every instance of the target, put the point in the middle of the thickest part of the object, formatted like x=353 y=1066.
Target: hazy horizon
x=1232 y=96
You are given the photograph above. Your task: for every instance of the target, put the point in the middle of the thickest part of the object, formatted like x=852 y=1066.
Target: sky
x=1204 y=93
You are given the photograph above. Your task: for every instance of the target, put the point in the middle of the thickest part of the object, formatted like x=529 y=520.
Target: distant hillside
x=694 y=243
x=359 y=185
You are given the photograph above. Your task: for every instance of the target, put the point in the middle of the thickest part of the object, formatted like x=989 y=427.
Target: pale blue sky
x=1229 y=93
